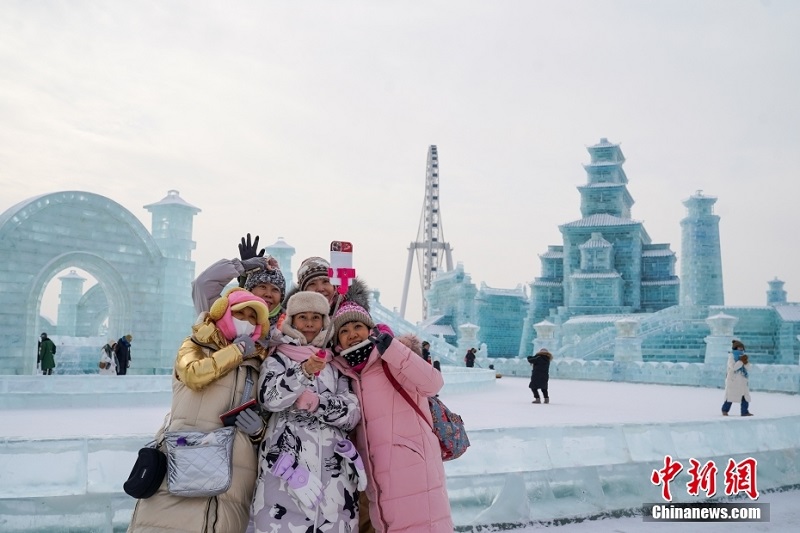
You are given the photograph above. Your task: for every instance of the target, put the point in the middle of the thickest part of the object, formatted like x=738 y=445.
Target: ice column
x=71 y=292
x=627 y=345
x=468 y=337
x=545 y=337
x=701 y=261
x=719 y=342
x=283 y=253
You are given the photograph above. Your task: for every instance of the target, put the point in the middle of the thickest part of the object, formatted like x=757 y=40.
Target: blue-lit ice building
x=608 y=276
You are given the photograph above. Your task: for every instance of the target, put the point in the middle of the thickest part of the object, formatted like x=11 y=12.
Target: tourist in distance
x=540 y=374
x=46 y=354
x=123 y=352
x=737 y=388
x=469 y=359
x=108 y=359
x=426 y=351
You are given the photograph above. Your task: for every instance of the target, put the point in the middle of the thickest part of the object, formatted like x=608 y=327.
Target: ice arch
x=46 y=234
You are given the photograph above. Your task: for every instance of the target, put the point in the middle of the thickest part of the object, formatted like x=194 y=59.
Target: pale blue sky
x=311 y=121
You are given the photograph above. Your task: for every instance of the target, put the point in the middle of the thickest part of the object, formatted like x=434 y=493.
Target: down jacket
x=310 y=437
x=209 y=379
x=402 y=457
x=540 y=373
x=736 y=381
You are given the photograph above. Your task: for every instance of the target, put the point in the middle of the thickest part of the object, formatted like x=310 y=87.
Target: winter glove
x=346 y=449
x=743 y=358
x=248 y=421
x=306 y=487
x=254 y=264
x=247 y=345
x=248 y=250
x=308 y=401
x=380 y=340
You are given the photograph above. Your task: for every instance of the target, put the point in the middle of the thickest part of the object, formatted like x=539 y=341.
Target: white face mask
x=243 y=327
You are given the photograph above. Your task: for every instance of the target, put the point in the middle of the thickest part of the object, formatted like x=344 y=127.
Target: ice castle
x=608 y=274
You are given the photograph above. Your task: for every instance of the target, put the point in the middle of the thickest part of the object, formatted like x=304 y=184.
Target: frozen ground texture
x=590 y=451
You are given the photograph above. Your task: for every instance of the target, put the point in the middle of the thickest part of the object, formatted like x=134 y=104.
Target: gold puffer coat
x=209 y=379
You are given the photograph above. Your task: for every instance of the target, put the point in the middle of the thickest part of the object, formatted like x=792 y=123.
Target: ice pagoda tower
x=607 y=263
x=70 y=295
x=283 y=253
x=776 y=295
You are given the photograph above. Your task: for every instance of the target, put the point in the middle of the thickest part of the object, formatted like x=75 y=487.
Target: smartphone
x=228 y=418
x=342 y=270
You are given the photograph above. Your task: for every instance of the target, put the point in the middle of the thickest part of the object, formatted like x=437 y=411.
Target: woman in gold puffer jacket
x=211 y=371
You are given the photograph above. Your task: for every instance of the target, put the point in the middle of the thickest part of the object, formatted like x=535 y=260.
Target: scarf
x=356 y=356
x=274 y=314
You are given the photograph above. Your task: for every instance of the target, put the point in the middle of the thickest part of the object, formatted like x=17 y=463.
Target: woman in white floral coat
x=302 y=480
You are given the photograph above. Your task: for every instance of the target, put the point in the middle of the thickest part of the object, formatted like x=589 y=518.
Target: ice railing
x=604 y=339
x=558 y=472
x=441 y=350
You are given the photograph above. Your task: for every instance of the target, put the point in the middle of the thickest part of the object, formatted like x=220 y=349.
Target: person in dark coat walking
x=540 y=374
x=46 y=355
x=469 y=359
x=123 y=351
x=426 y=351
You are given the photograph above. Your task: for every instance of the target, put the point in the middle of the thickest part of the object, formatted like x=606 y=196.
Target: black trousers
x=536 y=392
x=122 y=369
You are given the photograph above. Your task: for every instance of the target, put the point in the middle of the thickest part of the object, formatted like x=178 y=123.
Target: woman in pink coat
x=402 y=457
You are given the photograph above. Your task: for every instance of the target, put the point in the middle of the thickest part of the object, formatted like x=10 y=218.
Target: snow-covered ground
x=507 y=405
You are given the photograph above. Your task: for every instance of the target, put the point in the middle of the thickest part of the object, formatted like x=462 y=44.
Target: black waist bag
x=147 y=474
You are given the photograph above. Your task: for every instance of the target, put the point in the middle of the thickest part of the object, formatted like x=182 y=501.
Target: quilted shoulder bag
x=447 y=425
x=199 y=463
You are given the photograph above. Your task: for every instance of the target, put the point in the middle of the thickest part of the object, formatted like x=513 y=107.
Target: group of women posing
x=332 y=446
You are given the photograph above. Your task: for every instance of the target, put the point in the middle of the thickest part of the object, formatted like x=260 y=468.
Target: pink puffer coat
x=406 y=489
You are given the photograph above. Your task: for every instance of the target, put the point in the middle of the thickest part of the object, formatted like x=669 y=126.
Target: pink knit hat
x=237 y=299
x=350 y=311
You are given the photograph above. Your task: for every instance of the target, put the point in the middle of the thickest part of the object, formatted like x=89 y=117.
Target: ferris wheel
x=430 y=247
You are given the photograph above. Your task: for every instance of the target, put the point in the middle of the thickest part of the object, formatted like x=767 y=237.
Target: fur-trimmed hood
x=358 y=292
x=412 y=341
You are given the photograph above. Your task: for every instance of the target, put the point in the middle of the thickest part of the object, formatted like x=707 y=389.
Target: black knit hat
x=269 y=276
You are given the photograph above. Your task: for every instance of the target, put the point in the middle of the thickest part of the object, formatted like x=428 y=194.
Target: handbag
x=447 y=426
x=104 y=365
x=147 y=473
x=200 y=463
